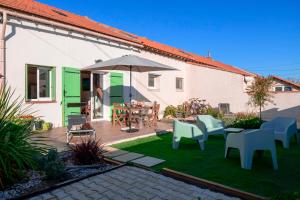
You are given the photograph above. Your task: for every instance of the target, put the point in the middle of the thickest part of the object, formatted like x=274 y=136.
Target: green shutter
x=71 y=91
x=116 y=89
x=26 y=82
x=53 y=84
x=116 y=84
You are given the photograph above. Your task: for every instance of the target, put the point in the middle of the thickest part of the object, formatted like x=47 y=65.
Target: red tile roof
x=52 y=13
x=42 y=10
x=193 y=58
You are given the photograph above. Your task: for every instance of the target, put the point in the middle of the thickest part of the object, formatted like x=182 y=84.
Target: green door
x=71 y=92
x=116 y=88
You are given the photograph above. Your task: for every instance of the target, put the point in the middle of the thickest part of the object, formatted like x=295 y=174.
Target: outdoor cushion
x=186 y=130
x=210 y=126
x=284 y=129
x=250 y=141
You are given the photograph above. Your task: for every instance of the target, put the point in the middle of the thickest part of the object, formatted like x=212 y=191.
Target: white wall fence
x=286 y=104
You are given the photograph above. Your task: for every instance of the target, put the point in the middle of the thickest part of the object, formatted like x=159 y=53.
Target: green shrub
x=17 y=149
x=170 y=111
x=51 y=164
x=213 y=112
x=247 y=121
x=228 y=120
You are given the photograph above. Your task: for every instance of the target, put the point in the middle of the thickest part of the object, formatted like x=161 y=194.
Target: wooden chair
x=152 y=118
x=119 y=114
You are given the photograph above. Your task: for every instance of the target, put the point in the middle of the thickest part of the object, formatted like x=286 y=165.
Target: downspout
x=2 y=48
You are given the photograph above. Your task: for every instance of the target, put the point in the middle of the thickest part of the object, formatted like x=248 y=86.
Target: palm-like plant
x=260 y=92
x=17 y=149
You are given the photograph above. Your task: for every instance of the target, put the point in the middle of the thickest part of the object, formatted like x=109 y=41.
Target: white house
x=43 y=50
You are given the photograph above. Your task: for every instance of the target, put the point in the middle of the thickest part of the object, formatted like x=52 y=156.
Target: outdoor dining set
x=144 y=114
x=247 y=141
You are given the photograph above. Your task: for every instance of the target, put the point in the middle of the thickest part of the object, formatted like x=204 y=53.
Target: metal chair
x=77 y=120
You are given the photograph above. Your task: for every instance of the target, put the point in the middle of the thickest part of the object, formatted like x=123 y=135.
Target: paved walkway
x=131 y=183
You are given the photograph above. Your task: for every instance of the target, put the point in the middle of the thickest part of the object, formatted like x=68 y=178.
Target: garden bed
x=35 y=182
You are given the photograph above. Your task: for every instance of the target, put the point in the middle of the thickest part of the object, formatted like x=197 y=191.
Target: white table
x=233 y=130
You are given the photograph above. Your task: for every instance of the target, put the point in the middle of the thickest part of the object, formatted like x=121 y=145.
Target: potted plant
x=38 y=124
x=47 y=126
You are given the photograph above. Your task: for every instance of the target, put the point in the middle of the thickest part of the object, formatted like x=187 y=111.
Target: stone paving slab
x=109 y=148
x=115 y=153
x=131 y=183
x=128 y=157
x=148 y=161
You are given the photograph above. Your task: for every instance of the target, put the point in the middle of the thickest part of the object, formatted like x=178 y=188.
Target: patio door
x=70 y=92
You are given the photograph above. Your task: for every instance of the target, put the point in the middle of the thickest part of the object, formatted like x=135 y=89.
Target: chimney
x=209 y=54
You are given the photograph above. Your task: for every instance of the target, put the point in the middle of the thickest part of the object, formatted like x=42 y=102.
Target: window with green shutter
x=40 y=83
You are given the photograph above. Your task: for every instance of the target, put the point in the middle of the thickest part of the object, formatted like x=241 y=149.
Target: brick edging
x=210 y=185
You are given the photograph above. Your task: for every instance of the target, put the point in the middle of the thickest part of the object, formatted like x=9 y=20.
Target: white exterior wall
x=217 y=86
x=286 y=104
x=32 y=46
x=166 y=94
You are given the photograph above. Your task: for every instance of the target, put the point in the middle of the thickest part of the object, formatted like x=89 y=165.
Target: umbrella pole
x=130 y=97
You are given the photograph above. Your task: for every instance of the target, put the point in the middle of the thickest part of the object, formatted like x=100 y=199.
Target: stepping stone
x=128 y=157
x=109 y=148
x=148 y=161
x=115 y=153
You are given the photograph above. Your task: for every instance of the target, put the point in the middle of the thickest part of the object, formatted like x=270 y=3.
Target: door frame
x=92 y=98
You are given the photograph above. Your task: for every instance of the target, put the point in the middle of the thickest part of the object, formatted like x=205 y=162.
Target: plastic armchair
x=250 y=141
x=284 y=129
x=186 y=130
x=210 y=125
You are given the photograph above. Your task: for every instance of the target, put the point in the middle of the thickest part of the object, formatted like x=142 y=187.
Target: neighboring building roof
x=291 y=83
x=42 y=10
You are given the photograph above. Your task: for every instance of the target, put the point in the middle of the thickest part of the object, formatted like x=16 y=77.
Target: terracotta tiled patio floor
x=105 y=131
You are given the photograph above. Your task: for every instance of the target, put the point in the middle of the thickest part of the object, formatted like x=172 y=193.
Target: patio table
x=233 y=130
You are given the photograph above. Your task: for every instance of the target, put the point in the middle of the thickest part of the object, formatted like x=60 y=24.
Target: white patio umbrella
x=130 y=63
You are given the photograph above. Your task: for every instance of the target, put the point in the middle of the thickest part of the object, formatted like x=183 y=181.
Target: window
x=278 y=89
x=283 y=88
x=153 y=81
x=179 y=83
x=288 y=88
x=40 y=83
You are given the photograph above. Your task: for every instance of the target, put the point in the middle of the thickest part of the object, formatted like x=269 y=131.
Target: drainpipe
x=2 y=48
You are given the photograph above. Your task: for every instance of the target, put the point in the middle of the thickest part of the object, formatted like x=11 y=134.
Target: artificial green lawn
x=211 y=165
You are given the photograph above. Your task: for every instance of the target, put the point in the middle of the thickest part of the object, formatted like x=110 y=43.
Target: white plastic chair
x=248 y=142
x=210 y=125
x=186 y=130
x=284 y=129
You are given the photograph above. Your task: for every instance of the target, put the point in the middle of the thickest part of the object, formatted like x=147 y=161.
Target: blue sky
x=259 y=36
